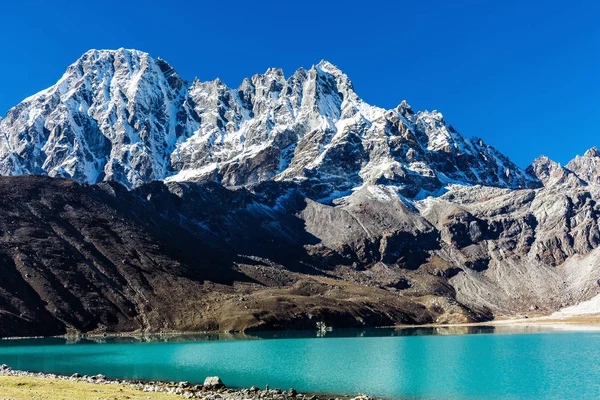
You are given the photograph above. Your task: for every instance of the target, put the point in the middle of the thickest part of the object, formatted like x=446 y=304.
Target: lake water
x=424 y=363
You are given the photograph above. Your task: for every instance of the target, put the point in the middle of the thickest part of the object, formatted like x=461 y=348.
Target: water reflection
x=335 y=333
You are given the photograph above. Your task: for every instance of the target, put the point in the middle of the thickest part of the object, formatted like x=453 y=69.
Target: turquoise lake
x=418 y=363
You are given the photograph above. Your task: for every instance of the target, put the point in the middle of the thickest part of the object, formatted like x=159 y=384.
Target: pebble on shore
x=212 y=389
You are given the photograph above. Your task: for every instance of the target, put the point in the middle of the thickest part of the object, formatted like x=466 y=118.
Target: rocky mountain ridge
x=124 y=116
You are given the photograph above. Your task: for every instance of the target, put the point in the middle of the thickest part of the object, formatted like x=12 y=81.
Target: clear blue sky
x=522 y=75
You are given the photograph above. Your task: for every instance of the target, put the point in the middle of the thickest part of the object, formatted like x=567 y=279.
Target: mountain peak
x=542 y=159
x=405 y=109
x=587 y=167
x=329 y=68
x=593 y=152
x=274 y=72
x=551 y=173
x=95 y=61
x=103 y=53
x=95 y=123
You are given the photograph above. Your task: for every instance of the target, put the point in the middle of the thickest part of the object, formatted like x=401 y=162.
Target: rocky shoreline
x=212 y=388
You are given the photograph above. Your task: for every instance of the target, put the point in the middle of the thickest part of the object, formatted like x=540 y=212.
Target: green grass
x=27 y=388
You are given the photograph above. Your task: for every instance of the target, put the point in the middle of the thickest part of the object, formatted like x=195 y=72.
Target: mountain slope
x=183 y=257
x=199 y=256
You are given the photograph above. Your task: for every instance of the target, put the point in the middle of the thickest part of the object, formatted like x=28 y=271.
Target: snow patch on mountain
x=589 y=307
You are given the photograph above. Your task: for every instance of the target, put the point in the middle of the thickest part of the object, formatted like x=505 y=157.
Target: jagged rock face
x=487 y=249
x=551 y=173
x=522 y=242
x=123 y=116
x=114 y=115
x=587 y=167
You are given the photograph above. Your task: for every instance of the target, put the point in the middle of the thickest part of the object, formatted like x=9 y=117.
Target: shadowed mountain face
x=84 y=257
x=79 y=258
x=280 y=203
x=199 y=256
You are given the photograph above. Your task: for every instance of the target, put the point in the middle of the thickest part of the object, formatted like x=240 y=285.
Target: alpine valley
x=135 y=201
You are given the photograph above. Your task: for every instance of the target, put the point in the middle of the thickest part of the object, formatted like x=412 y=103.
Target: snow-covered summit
x=112 y=115
x=122 y=115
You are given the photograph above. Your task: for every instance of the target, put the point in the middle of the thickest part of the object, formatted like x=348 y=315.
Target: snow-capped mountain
x=321 y=185
x=122 y=115
x=113 y=115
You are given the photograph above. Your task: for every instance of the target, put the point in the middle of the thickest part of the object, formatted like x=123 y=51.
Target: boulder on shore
x=213 y=382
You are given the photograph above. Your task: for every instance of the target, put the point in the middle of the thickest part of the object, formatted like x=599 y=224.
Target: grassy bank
x=29 y=388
